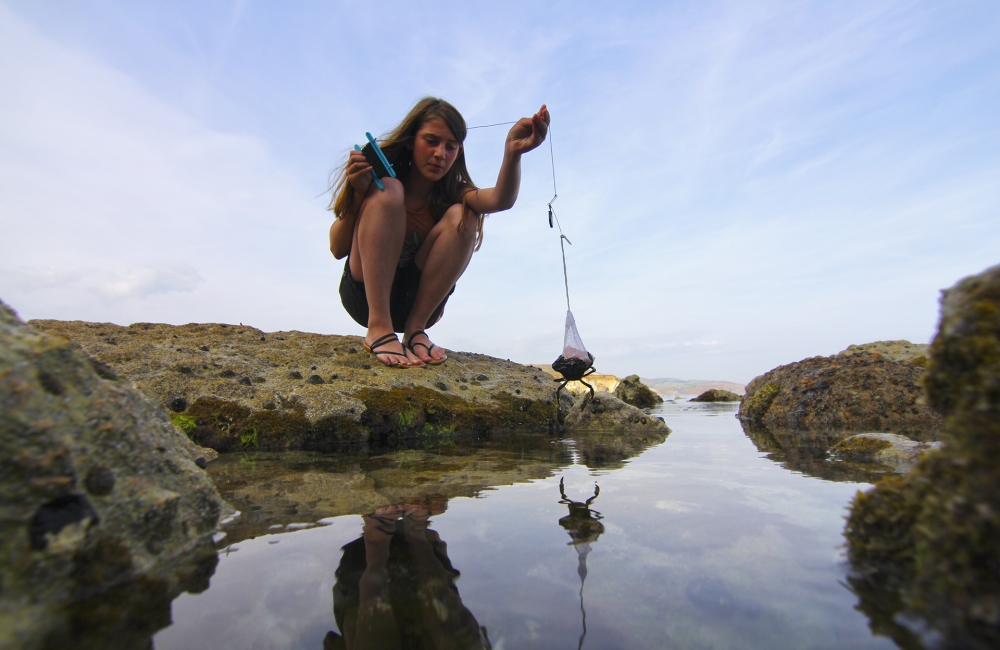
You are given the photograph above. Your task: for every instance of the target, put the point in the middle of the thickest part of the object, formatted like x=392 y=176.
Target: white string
x=553 y=217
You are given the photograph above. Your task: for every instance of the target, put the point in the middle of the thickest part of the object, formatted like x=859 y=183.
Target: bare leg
x=442 y=259
x=375 y=251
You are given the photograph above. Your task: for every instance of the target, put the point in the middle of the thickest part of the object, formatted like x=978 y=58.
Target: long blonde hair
x=397 y=147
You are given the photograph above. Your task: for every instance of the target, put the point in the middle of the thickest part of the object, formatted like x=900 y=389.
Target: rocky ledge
x=235 y=387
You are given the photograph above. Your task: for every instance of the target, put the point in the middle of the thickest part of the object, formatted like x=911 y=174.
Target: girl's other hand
x=529 y=132
x=358 y=173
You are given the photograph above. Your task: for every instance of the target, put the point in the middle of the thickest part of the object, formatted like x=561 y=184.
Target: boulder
x=716 y=395
x=632 y=391
x=605 y=412
x=106 y=512
x=927 y=544
x=859 y=391
x=238 y=388
x=896 y=453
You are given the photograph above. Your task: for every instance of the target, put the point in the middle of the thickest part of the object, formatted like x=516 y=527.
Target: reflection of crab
x=583 y=523
x=573 y=369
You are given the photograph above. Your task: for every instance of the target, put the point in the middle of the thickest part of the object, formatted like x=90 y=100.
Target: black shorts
x=401 y=297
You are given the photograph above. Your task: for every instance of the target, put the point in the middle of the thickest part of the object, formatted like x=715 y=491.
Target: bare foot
x=388 y=350
x=420 y=344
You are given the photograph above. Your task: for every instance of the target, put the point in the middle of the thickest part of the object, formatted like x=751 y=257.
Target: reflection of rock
x=715 y=395
x=106 y=515
x=274 y=489
x=632 y=391
x=897 y=453
x=806 y=452
x=608 y=413
x=926 y=543
x=239 y=388
x=849 y=392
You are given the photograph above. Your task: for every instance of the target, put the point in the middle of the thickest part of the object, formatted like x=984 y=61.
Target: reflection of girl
x=409 y=244
x=396 y=588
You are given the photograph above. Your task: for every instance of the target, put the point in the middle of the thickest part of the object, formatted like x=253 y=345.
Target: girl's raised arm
x=525 y=135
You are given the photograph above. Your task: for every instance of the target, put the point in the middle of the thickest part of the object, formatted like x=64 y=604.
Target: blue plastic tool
x=380 y=164
x=381 y=156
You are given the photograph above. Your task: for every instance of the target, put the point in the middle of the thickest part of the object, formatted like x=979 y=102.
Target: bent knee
x=463 y=220
x=393 y=192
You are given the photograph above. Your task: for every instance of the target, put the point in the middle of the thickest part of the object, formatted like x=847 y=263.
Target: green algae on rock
x=107 y=514
x=929 y=541
x=717 y=395
x=632 y=391
x=244 y=389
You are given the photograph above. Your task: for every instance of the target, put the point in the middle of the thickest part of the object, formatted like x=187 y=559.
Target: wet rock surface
x=632 y=391
x=926 y=545
x=855 y=391
x=105 y=515
x=605 y=412
x=240 y=389
x=717 y=395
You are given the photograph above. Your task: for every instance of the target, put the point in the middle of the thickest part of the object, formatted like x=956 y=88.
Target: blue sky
x=745 y=184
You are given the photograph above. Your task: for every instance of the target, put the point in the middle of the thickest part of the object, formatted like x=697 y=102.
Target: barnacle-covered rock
x=928 y=542
x=106 y=514
x=605 y=412
x=858 y=390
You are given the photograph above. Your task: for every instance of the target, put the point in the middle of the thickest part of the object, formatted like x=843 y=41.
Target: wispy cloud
x=745 y=184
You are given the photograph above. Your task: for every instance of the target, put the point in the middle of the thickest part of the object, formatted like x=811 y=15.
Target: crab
x=573 y=369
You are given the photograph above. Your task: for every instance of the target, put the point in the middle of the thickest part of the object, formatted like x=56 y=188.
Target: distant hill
x=672 y=386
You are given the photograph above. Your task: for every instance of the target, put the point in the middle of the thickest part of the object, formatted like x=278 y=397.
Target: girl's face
x=435 y=149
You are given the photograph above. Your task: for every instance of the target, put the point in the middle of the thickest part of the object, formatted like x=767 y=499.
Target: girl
x=407 y=245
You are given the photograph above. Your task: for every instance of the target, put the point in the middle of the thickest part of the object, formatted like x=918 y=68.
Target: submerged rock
x=716 y=395
x=632 y=391
x=855 y=391
x=927 y=543
x=896 y=453
x=106 y=515
x=605 y=412
x=242 y=389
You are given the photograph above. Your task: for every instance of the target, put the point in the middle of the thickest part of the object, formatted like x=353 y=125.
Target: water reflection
x=806 y=452
x=396 y=586
x=275 y=490
x=584 y=527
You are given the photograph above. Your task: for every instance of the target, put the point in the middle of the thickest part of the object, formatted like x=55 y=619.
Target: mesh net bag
x=574 y=360
x=573 y=347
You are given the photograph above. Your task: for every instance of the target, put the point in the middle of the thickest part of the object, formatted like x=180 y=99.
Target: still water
x=695 y=541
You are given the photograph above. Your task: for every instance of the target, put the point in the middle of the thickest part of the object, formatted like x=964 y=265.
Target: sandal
x=382 y=342
x=433 y=361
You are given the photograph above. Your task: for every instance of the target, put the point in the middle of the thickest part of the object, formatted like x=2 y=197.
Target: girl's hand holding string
x=529 y=132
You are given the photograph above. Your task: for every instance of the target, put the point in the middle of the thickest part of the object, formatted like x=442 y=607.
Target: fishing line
x=553 y=217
